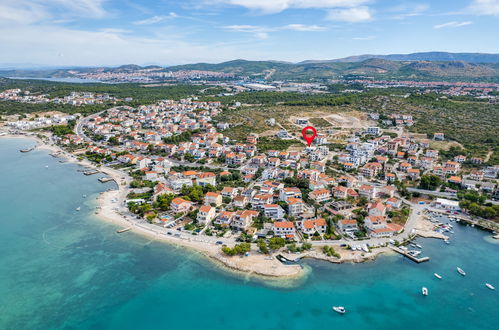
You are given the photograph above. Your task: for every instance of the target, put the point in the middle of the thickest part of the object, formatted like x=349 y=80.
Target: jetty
x=408 y=255
x=105 y=179
x=27 y=149
x=119 y=231
x=90 y=172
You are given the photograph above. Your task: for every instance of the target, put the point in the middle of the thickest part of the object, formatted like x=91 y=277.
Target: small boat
x=447 y=241
x=78 y=208
x=46 y=166
x=339 y=309
x=437 y=276
x=490 y=286
x=84 y=196
x=460 y=271
x=424 y=291
x=419 y=246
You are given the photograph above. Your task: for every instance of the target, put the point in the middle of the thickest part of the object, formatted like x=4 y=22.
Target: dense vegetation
x=266 y=143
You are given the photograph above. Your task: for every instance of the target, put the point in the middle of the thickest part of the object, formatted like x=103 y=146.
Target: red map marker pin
x=307 y=138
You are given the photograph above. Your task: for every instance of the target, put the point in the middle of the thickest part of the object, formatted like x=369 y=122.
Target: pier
x=124 y=230
x=91 y=172
x=105 y=179
x=406 y=254
x=28 y=149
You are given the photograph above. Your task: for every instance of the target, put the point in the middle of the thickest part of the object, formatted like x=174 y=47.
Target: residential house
x=284 y=229
x=243 y=219
x=213 y=198
x=295 y=207
x=273 y=211
x=206 y=214
x=320 y=195
x=180 y=205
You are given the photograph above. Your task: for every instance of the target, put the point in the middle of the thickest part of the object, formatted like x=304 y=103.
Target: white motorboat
x=424 y=291
x=447 y=241
x=490 y=286
x=339 y=309
x=419 y=246
x=460 y=271
x=78 y=208
x=437 y=276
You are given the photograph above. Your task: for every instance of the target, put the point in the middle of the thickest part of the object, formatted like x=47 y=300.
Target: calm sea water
x=63 y=269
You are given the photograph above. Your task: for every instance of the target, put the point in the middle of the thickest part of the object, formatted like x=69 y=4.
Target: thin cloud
x=156 y=19
x=408 y=10
x=452 y=25
x=34 y=11
x=484 y=7
x=262 y=32
x=276 y=6
x=364 y=38
x=351 y=15
x=302 y=27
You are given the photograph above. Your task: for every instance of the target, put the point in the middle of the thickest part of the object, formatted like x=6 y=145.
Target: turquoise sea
x=63 y=269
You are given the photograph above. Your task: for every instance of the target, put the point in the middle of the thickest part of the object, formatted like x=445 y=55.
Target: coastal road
x=442 y=194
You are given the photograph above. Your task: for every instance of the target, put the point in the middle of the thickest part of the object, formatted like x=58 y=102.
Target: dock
x=124 y=230
x=105 y=179
x=27 y=150
x=406 y=254
x=91 y=172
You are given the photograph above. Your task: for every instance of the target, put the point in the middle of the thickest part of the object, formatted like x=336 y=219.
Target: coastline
x=255 y=265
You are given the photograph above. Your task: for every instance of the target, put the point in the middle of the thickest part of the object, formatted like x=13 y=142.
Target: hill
x=424 y=56
x=404 y=67
x=373 y=68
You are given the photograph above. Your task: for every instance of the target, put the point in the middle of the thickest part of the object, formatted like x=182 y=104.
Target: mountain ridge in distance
x=420 y=56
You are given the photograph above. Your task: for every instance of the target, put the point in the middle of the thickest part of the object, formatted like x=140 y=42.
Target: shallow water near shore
x=61 y=268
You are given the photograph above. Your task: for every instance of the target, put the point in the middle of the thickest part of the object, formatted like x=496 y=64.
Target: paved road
x=442 y=194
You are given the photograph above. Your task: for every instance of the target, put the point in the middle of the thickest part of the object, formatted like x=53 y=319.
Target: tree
x=113 y=140
x=163 y=201
x=430 y=182
x=262 y=246
x=276 y=243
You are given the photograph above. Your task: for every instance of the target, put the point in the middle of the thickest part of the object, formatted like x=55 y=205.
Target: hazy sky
x=113 y=32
